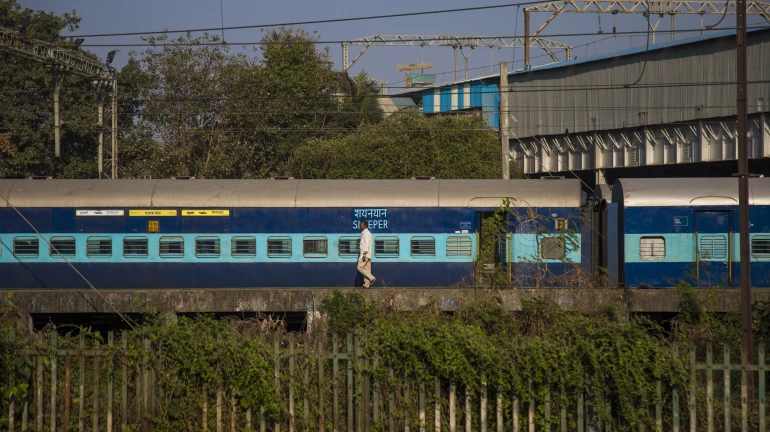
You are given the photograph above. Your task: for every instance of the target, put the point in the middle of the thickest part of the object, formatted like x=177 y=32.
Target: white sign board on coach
x=99 y=212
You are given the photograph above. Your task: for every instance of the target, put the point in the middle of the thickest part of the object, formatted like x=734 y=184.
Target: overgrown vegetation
x=540 y=352
x=191 y=106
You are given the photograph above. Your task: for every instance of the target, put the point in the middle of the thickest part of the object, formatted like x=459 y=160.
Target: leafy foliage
x=403 y=146
x=347 y=311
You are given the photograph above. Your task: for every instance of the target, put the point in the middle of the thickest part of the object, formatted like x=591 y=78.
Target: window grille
x=171 y=247
x=243 y=247
x=135 y=247
x=279 y=247
x=207 y=247
x=386 y=247
x=349 y=246
x=713 y=248
x=652 y=248
x=458 y=246
x=26 y=247
x=760 y=246
x=62 y=247
x=99 y=247
x=422 y=246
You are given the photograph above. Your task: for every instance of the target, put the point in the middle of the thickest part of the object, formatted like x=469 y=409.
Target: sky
x=110 y=16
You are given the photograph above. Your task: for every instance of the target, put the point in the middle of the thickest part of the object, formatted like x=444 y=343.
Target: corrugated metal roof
x=628 y=52
x=288 y=193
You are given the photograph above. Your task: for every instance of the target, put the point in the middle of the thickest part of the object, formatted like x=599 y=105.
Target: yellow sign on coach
x=152 y=212
x=205 y=212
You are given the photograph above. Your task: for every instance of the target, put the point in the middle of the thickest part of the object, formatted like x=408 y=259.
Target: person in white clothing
x=365 y=255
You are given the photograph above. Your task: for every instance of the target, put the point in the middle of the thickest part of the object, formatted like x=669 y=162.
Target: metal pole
x=56 y=118
x=114 y=128
x=100 y=152
x=455 y=50
x=743 y=184
x=526 y=39
x=504 y=119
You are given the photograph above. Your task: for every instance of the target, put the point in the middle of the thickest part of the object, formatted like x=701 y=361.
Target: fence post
x=358 y=385
x=12 y=397
x=483 y=406
x=82 y=383
x=581 y=422
x=39 y=388
x=437 y=405
x=291 y=382
x=693 y=371
x=468 y=416
x=515 y=413
x=744 y=393
x=675 y=398
x=709 y=388
x=548 y=410
x=97 y=370
x=726 y=350
x=452 y=394
x=54 y=380
x=563 y=411
x=277 y=373
x=408 y=403
x=499 y=409
x=306 y=382
x=110 y=342
x=321 y=379
x=349 y=352
x=376 y=395
x=219 y=408
x=421 y=399
x=391 y=403
x=335 y=383
x=659 y=406
x=124 y=384
x=761 y=367
x=205 y=409
x=531 y=412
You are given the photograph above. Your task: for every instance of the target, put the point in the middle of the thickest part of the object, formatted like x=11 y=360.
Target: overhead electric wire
x=346 y=41
x=319 y=21
x=52 y=247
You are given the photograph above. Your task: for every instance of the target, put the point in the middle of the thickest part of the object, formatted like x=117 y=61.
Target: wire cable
x=127 y=321
x=320 y=21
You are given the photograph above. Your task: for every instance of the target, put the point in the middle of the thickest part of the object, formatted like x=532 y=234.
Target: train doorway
x=493 y=243
x=714 y=251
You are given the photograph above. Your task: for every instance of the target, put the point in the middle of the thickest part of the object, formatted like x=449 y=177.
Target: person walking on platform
x=365 y=255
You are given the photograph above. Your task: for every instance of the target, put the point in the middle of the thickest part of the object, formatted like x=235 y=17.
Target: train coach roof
x=676 y=192
x=288 y=193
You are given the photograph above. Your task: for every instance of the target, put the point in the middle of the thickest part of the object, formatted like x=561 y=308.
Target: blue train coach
x=671 y=230
x=137 y=234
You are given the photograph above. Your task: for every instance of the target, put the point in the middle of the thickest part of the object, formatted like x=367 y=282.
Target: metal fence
x=323 y=385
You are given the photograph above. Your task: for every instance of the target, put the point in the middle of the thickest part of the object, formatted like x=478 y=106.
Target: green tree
x=26 y=105
x=360 y=100
x=405 y=145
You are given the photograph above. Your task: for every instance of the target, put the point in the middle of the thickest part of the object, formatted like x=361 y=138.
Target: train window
x=386 y=247
x=760 y=246
x=315 y=247
x=26 y=247
x=99 y=247
x=422 y=246
x=349 y=246
x=279 y=247
x=62 y=247
x=135 y=247
x=207 y=247
x=171 y=247
x=458 y=246
x=243 y=247
x=713 y=248
x=652 y=248
x=553 y=248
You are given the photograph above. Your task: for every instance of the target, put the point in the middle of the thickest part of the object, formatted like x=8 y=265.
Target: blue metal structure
x=138 y=234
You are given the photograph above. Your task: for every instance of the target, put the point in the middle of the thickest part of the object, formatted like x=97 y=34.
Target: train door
x=500 y=243
x=713 y=243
